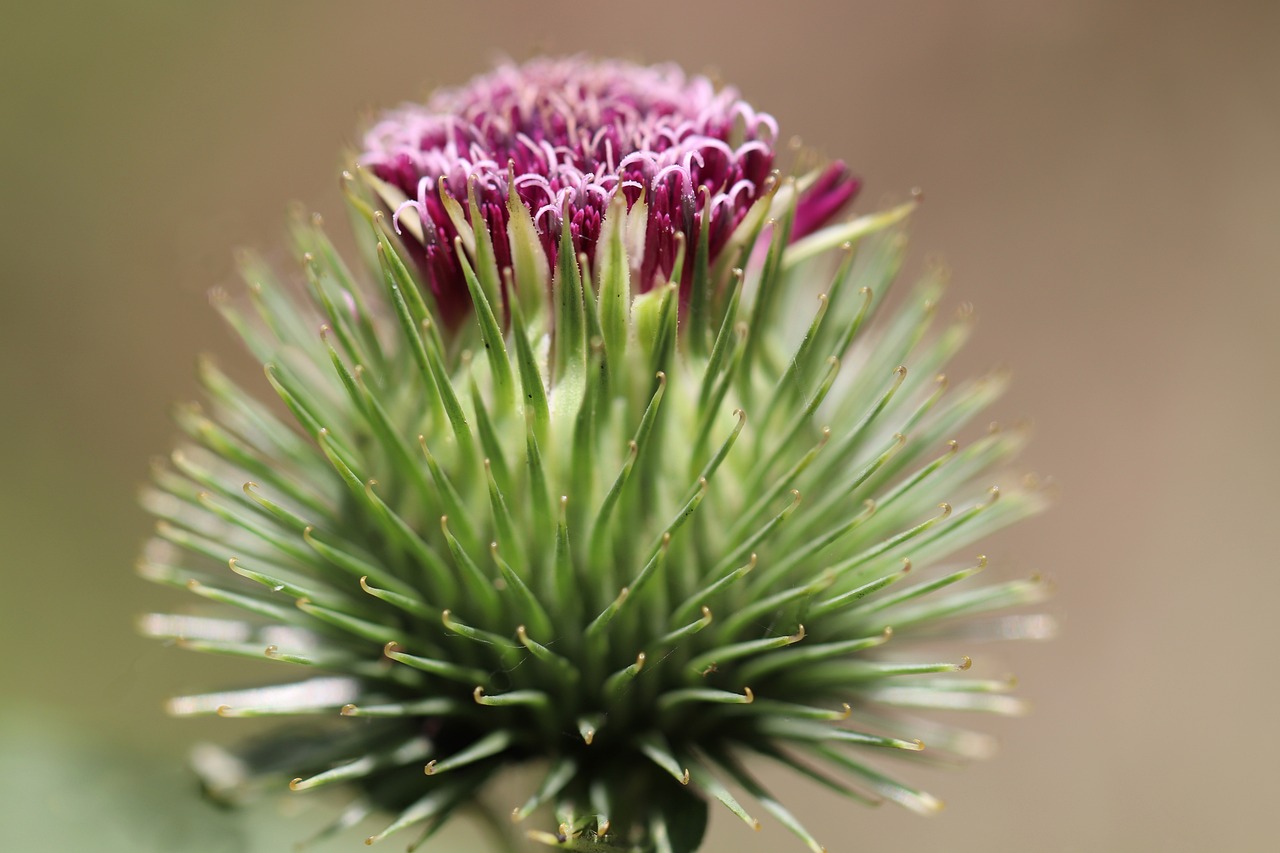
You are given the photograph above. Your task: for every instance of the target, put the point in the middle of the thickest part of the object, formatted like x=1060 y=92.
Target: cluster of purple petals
x=567 y=135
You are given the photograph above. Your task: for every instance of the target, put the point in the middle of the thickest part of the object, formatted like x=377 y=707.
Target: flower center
x=566 y=136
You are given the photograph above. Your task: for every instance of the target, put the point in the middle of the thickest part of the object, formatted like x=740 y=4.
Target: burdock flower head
x=604 y=461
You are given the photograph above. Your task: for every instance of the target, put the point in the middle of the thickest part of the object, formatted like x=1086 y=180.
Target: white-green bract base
x=635 y=537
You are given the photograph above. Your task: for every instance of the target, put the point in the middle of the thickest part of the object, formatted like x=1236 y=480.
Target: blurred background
x=1103 y=179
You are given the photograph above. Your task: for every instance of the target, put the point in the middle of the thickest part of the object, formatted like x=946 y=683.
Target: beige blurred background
x=1102 y=177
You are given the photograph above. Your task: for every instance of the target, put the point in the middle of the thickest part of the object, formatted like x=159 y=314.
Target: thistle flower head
x=610 y=464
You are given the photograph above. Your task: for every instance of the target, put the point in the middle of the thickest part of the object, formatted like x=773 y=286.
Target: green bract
x=638 y=538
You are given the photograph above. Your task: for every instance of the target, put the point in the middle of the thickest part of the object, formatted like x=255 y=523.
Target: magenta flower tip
x=828 y=195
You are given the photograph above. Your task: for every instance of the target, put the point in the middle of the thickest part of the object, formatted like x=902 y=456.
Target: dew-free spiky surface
x=639 y=517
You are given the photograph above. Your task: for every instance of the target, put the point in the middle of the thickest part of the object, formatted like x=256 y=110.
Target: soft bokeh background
x=1102 y=177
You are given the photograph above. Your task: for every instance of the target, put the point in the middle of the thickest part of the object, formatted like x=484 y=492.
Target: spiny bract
x=602 y=459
